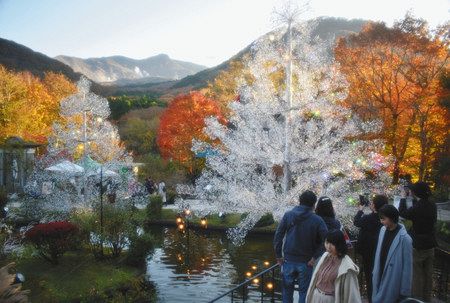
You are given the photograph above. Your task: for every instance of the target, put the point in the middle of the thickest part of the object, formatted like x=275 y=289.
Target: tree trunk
x=396 y=172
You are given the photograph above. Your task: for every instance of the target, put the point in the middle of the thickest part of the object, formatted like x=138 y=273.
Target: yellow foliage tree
x=29 y=105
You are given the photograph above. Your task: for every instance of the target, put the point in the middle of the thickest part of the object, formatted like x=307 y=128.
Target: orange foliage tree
x=394 y=76
x=182 y=122
x=29 y=105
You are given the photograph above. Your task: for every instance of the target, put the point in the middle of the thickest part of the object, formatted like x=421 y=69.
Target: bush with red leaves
x=52 y=239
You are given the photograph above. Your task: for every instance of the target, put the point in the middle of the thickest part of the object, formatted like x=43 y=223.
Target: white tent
x=66 y=167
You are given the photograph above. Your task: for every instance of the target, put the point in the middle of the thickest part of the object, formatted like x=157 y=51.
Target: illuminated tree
x=85 y=129
x=85 y=136
x=286 y=133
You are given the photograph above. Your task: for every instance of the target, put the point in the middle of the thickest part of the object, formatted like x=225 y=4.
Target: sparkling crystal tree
x=86 y=139
x=85 y=129
x=287 y=133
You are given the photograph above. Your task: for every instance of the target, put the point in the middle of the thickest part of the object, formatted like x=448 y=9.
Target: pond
x=201 y=265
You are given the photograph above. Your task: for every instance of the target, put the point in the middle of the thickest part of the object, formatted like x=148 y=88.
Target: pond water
x=203 y=264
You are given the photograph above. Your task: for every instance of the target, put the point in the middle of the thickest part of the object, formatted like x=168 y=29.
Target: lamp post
x=287 y=127
x=101 y=210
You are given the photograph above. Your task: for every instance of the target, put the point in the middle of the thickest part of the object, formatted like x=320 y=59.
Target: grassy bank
x=80 y=278
x=168 y=217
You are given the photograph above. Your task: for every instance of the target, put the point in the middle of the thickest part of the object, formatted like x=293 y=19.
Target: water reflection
x=199 y=265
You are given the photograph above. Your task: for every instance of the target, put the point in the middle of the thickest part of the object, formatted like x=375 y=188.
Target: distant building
x=16 y=163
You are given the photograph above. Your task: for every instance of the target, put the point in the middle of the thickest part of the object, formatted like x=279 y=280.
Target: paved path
x=443 y=211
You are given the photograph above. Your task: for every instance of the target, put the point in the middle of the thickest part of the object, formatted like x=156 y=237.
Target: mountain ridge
x=116 y=70
x=325 y=28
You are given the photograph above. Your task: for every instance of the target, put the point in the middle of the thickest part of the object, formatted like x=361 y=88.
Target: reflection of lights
x=256 y=281
x=269 y=285
x=254 y=267
x=248 y=274
x=266 y=263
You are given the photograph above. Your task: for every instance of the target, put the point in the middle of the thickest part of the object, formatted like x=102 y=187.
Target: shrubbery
x=52 y=239
x=154 y=208
x=140 y=247
x=117 y=226
x=265 y=220
x=171 y=196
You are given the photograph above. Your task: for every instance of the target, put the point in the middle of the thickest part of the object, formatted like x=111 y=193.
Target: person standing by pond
x=392 y=271
x=335 y=278
x=298 y=243
x=423 y=215
x=162 y=191
x=366 y=245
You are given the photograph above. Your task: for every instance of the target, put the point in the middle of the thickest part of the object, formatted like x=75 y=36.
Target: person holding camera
x=370 y=226
x=423 y=215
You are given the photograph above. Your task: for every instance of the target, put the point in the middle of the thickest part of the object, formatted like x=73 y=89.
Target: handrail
x=248 y=281
x=273 y=267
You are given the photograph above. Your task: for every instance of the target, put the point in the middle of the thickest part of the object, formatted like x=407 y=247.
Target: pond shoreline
x=269 y=230
x=170 y=223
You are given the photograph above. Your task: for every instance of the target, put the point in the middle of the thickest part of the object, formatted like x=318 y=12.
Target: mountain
x=324 y=27
x=17 y=57
x=119 y=70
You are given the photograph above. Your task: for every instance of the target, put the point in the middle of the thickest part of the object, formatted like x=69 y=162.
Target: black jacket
x=370 y=226
x=332 y=223
x=423 y=215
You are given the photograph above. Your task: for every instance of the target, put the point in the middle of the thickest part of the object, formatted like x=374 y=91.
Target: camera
x=364 y=200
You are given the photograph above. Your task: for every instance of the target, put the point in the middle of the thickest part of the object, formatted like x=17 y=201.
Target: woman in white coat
x=335 y=278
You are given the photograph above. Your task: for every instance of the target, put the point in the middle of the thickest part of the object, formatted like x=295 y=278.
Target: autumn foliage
x=394 y=75
x=52 y=239
x=182 y=122
x=29 y=105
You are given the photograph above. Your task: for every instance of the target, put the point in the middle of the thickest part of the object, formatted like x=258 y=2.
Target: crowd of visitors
x=310 y=245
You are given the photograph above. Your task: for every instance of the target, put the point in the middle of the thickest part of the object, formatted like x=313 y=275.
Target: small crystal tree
x=286 y=134
x=85 y=129
x=84 y=136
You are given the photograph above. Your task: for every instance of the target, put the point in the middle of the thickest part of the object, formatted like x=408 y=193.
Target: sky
x=205 y=32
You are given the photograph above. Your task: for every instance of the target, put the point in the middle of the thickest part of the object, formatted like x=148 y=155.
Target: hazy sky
x=201 y=31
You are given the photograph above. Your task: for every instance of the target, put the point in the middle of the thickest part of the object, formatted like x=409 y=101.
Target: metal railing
x=259 y=282
x=264 y=282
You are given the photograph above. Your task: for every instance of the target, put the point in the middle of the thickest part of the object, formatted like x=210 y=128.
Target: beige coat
x=346 y=287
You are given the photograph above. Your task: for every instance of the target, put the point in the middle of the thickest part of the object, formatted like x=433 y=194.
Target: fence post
x=262 y=288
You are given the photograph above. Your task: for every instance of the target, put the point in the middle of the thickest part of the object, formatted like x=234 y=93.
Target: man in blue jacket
x=298 y=244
